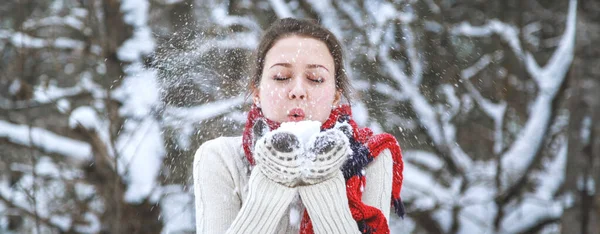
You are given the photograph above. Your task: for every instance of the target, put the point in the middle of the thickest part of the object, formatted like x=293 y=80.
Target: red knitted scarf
x=365 y=147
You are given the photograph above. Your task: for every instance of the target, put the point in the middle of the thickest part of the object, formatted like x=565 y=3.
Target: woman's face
x=298 y=81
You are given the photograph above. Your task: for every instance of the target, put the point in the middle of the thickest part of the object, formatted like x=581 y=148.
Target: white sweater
x=223 y=205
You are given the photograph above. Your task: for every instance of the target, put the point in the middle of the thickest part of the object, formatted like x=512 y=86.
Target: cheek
x=272 y=94
x=272 y=101
x=323 y=95
x=321 y=102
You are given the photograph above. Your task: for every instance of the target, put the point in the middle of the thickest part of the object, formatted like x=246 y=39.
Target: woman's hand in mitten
x=277 y=154
x=326 y=156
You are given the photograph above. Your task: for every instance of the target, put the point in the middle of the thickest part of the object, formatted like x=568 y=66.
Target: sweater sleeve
x=218 y=207
x=327 y=206
x=378 y=189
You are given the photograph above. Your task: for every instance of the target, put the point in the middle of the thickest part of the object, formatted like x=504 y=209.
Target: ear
x=337 y=98
x=255 y=93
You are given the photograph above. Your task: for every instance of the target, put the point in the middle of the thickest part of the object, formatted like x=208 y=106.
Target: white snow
x=52 y=92
x=425 y=111
x=425 y=158
x=93 y=225
x=508 y=32
x=433 y=26
x=142 y=150
x=389 y=91
x=135 y=12
x=138 y=92
x=221 y=17
x=62 y=221
x=548 y=79
x=45 y=140
x=45 y=167
x=79 y=12
x=85 y=117
x=426 y=114
x=177 y=212
x=302 y=129
x=245 y=40
x=63 y=105
x=328 y=16
x=140 y=145
x=360 y=113
x=197 y=114
x=353 y=12
x=68 y=20
x=84 y=191
x=68 y=43
x=414 y=58
x=294 y=217
x=381 y=11
x=142 y=43
x=496 y=111
x=585 y=131
x=528 y=33
x=21 y=40
x=425 y=191
x=14 y=87
x=281 y=9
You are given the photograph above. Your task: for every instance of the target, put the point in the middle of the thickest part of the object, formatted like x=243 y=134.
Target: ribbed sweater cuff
x=327 y=205
x=264 y=207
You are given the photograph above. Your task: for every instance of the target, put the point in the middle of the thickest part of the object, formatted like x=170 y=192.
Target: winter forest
x=495 y=103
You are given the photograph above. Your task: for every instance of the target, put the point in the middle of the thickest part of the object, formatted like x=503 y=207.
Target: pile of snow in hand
x=306 y=132
x=302 y=129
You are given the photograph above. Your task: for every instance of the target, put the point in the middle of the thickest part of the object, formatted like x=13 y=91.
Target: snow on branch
x=551 y=76
x=52 y=222
x=44 y=140
x=353 y=12
x=244 y=40
x=22 y=40
x=414 y=59
x=281 y=9
x=389 y=91
x=69 y=21
x=141 y=151
x=135 y=13
x=493 y=110
x=198 y=114
x=221 y=17
x=541 y=205
x=549 y=79
x=48 y=94
x=140 y=147
x=425 y=111
x=328 y=16
x=507 y=32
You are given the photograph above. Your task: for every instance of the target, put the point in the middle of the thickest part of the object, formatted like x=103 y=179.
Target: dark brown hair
x=306 y=28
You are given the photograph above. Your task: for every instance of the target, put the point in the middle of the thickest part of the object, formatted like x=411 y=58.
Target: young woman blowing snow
x=271 y=180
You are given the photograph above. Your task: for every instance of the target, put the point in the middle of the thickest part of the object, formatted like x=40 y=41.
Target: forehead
x=296 y=49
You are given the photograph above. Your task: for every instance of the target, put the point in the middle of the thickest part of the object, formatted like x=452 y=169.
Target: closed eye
x=318 y=80
x=280 y=78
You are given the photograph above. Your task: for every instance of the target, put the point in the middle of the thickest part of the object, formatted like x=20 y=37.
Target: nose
x=298 y=90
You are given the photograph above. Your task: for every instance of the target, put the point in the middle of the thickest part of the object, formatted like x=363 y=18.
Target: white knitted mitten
x=327 y=154
x=277 y=154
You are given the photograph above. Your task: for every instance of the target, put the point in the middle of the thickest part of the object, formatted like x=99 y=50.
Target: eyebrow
x=308 y=66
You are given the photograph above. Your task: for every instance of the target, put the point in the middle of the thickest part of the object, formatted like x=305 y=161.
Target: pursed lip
x=296 y=114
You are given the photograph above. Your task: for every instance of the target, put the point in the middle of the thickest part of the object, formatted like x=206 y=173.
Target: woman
x=266 y=182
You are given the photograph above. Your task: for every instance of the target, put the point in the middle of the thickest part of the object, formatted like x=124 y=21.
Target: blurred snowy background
x=495 y=103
